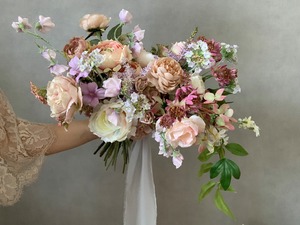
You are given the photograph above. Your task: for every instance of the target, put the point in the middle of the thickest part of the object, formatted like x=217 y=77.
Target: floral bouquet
x=129 y=93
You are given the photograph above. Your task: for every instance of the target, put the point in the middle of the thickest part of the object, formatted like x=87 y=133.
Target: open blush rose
x=75 y=47
x=115 y=54
x=91 y=22
x=184 y=133
x=64 y=98
x=166 y=74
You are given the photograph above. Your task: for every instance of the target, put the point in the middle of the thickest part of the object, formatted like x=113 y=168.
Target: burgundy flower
x=224 y=75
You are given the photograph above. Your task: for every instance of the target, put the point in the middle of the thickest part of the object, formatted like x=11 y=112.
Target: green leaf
x=236 y=149
x=221 y=205
x=115 y=32
x=205 y=155
x=217 y=168
x=206 y=189
x=94 y=41
x=225 y=175
x=205 y=167
x=235 y=170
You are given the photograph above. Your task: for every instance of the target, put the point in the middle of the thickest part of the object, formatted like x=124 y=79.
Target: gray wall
x=74 y=187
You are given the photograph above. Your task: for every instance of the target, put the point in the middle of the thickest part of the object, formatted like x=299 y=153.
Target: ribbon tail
x=140 y=201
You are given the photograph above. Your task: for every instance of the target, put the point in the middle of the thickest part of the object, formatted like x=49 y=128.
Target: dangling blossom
x=58 y=69
x=44 y=24
x=21 y=25
x=49 y=55
x=125 y=16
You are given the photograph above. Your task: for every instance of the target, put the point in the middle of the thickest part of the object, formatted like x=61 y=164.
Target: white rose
x=110 y=122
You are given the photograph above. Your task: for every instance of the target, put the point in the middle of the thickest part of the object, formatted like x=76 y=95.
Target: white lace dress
x=22 y=148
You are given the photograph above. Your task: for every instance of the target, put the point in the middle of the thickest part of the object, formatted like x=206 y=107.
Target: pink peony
x=64 y=98
x=184 y=133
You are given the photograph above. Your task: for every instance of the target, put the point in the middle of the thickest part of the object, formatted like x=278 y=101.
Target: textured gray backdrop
x=74 y=187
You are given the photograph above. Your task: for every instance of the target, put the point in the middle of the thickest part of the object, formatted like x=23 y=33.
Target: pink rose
x=76 y=47
x=64 y=98
x=94 y=21
x=184 y=133
x=115 y=54
x=112 y=87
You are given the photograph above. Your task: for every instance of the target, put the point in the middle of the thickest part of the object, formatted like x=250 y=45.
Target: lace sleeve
x=22 y=148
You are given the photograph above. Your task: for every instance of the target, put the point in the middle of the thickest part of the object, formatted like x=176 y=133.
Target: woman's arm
x=78 y=134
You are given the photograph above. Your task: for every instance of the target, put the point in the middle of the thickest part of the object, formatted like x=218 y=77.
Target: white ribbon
x=140 y=201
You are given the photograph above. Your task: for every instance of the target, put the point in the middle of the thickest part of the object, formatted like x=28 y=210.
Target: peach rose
x=165 y=74
x=64 y=98
x=92 y=22
x=115 y=54
x=184 y=133
x=75 y=47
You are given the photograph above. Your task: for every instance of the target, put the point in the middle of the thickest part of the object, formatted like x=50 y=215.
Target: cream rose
x=115 y=54
x=64 y=98
x=184 y=133
x=92 y=22
x=144 y=58
x=110 y=122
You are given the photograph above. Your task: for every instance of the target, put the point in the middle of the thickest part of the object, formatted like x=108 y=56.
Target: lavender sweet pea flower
x=58 y=69
x=138 y=33
x=21 y=25
x=45 y=24
x=49 y=55
x=125 y=16
x=76 y=70
x=91 y=94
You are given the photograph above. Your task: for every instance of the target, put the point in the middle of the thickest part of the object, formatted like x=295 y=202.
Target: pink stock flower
x=223 y=75
x=21 y=25
x=45 y=24
x=125 y=16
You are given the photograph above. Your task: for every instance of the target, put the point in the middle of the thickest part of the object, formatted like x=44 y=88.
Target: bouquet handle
x=140 y=201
